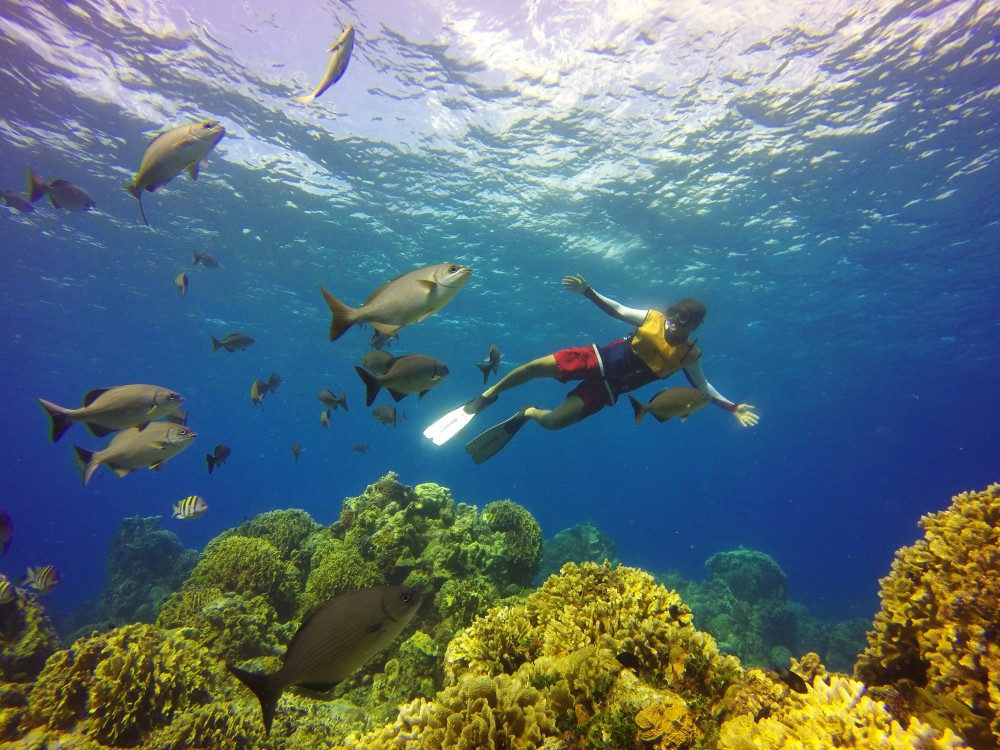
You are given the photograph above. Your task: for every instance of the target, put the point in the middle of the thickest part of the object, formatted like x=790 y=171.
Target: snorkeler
x=658 y=348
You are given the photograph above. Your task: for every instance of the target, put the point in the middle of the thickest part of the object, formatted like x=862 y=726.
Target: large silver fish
x=670 y=403
x=107 y=410
x=334 y=642
x=133 y=449
x=341 y=50
x=406 y=299
x=172 y=152
x=411 y=373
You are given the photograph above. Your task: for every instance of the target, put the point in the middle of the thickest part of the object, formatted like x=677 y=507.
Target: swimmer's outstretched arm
x=616 y=310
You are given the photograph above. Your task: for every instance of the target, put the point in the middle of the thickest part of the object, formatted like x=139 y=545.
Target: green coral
x=522 y=541
x=286 y=529
x=335 y=567
x=582 y=543
x=27 y=638
x=751 y=576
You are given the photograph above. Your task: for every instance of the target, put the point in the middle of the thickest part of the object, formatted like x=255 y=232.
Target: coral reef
x=582 y=543
x=27 y=638
x=936 y=639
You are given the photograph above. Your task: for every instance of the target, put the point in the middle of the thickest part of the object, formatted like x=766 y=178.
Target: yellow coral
x=830 y=715
x=940 y=611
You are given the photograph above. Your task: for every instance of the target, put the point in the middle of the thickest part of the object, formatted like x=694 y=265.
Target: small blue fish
x=42 y=579
x=190 y=507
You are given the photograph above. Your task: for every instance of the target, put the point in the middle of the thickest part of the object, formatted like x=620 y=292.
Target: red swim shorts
x=582 y=363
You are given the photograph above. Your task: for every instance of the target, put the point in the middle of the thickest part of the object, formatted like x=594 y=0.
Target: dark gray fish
x=258 y=389
x=389 y=415
x=334 y=642
x=628 y=659
x=791 y=679
x=234 y=342
x=273 y=381
x=411 y=373
x=361 y=447
x=327 y=398
x=324 y=418
x=296 y=450
x=206 y=259
x=16 y=201
x=181 y=282
x=492 y=363
x=62 y=193
x=218 y=456
x=377 y=361
x=6 y=531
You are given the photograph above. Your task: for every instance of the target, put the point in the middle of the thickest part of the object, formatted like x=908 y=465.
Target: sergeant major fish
x=172 y=152
x=8 y=592
x=411 y=373
x=133 y=449
x=190 y=507
x=42 y=579
x=107 y=410
x=341 y=55
x=334 y=642
x=673 y=402
x=406 y=299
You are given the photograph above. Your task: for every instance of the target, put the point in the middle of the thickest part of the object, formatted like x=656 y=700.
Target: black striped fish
x=7 y=591
x=42 y=579
x=190 y=507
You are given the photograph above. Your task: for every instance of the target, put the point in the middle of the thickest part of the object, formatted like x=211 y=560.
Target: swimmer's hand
x=576 y=284
x=746 y=414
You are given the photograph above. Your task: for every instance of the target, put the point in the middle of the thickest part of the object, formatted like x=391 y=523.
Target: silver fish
x=170 y=153
x=62 y=194
x=106 y=410
x=341 y=50
x=406 y=299
x=673 y=402
x=411 y=373
x=377 y=361
x=234 y=342
x=327 y=398
x=334 y=642
x=133 y=449
x=388 y=414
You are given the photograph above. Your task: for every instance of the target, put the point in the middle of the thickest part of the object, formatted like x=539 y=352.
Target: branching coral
x=940 y=619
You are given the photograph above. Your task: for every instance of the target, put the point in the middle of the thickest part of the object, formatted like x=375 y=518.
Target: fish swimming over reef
x=17 y=201
x=8 y=592
x=406 y=299
x=206 y=259
x=181 y=282
x=334 y=642
x=190 y=507
x=6 y=531
x=673 y=402
x=62 y=193
x=492 y=363
x=218 y=456
x=327 y=398
x=411 y=373
x=340 y=57
x=234 y=342
x=42 y=579
x=136 y=448
x=170 y=153
x=107 y=410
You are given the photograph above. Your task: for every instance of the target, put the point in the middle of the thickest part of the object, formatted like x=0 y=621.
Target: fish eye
x=406 y=597
x=453 y=269
x=207 y=124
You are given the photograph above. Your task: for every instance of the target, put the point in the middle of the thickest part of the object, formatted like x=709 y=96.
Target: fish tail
x=343 y=400
x=86 y=461
x=59 y=416
x=372 y=384
x=36 y=186
x=307 y=99
x=637 y=408
x=216 y=344
x=265 y=691
x=485 y=369
x=195 y=258
x=342 y=315
x=210 y=460
x=142 y=211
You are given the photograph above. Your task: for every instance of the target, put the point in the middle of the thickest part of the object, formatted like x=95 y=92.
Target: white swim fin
x=455 y=421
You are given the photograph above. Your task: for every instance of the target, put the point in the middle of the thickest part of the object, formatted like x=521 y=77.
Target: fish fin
x=304 y=100
x=266 y=690
x=489 y=443
x=192 y=170
x=153 y=467
x=342 y=315
x=120 y=470
x=92 y=395
x=684 y=419
x=637 y=408
x=318 y=687
x=84 y=461
x=216 y=344
x=36 y=186
x=53 y=201
x=142 y=211
x=177 y=511
x=429 y=283
x=661 y=420
x=28 y=579
x=159 y=444
x=372 y=385
x=210 y=460
x=133 y=186
x=97 y=431
x=396 y=395
x=58 y=415
x=485 y=369
x=455 y=421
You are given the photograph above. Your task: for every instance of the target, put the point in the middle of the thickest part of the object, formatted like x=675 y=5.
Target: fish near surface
x=172 y=152
x=107 y=410
x=334 y=642
x=670 y=403
x=341 y=55
x=408 y=298
x=133 y=449
x=16 y=201
x=62 y=193
x=411 y=373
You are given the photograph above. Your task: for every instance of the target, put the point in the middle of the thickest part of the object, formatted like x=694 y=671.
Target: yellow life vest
x=659 y=355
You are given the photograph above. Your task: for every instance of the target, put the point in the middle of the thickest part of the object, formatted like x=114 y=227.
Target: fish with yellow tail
x=408 y=298
x=334 y=642
x=133 y=449
x=190 y=508
x=173 y=151
x=340 y=55
x=671 y=403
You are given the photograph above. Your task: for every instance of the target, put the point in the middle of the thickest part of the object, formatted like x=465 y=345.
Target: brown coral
x=938 y=626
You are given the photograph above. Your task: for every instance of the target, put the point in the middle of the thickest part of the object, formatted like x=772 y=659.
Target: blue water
x=824 y=179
